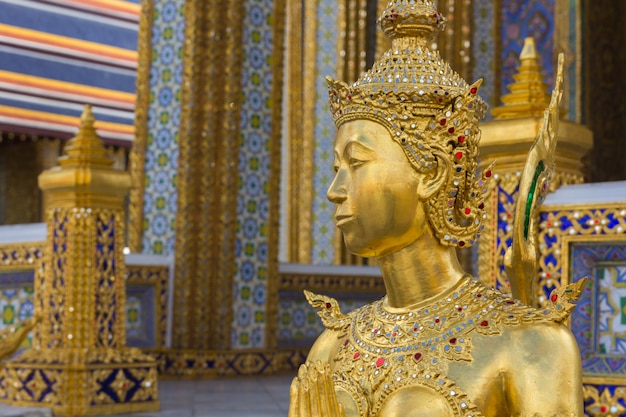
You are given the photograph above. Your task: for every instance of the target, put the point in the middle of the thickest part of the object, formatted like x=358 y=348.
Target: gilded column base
x=80 y=382
x=184 y=364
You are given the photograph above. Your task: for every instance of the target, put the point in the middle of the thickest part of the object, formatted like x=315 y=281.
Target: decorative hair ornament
x=429 y=110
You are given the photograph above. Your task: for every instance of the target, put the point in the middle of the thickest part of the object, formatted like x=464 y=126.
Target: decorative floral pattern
x=611 y=308
x=484 y=40
x=161 y=157
x=521 y=20
x=589 y=315
x=323 y=230
x=17 y=300
x=250 y=281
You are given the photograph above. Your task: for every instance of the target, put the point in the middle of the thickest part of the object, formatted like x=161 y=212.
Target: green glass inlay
x=529 y=201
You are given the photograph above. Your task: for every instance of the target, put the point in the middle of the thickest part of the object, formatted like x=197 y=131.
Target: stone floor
x=231 y=397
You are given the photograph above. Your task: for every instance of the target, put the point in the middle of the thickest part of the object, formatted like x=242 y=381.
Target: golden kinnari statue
x=407 y=192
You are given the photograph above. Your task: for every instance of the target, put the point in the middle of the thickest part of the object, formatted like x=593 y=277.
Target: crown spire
x=528 y=96
x=411 y=23
x=86 y=148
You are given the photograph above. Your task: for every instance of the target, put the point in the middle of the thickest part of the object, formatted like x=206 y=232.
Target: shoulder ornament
x=563 y=300
x=328 y=311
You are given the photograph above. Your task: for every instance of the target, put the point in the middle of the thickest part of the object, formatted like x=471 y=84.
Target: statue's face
x=374 y=190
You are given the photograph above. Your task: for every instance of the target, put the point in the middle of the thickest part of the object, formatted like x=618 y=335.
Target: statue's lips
x=343 y=219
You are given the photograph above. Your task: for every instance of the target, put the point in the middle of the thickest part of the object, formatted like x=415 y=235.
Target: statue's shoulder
x=329 y=311
x=502 y=313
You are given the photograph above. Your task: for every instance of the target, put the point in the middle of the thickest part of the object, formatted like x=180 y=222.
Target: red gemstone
x=437 y=320
x=394 y=334
x=417 y=357
x=554 y=297
x=510 y=302
x=603 y=408
x=460 y=308
x=479 y=295
x=488 y=174
x=481 y=206
x=461 y=139
x=473 y=90
x=453 y=340
x=459 y=155
x=468 y=210
x=461 y=243
x=442 y=122
x=484 y=323
x=380 y=362
x=356 y=355
x=345 y=343
x=548 y=275
x=451 y=130
x=328 y=305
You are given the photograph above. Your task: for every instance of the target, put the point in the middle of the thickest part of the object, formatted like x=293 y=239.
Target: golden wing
x=520 y=260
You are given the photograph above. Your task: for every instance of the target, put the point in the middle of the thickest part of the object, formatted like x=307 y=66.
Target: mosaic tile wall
x=250 y=281
x=506 y=198
x=483 y=51
x=163 y=121
x=598 y=322
x=17 y=300
x=140 y=316
x=571 y=81
x=299 y=324
x=323 y=229
x=521 y=19
x=611 y=308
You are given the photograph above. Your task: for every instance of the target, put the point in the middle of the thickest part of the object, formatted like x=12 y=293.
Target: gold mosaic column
x=507 y=140
x=80 y=364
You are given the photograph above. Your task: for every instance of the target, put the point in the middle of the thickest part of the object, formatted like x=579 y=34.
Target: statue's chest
x=383 y=354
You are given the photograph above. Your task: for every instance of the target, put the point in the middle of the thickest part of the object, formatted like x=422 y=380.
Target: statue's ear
x=432 y=181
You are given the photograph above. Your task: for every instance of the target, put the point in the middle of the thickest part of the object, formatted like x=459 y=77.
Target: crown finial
x=86 y=148
x=413 y=21
x=528 y=96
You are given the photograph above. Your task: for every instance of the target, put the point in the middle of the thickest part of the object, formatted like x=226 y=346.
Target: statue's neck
x=419 y=272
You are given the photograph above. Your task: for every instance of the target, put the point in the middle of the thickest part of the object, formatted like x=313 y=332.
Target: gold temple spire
x=86 y=148
x=528 y=96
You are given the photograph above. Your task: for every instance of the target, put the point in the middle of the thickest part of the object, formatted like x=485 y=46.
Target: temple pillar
x=507 y=141
x=80 y=364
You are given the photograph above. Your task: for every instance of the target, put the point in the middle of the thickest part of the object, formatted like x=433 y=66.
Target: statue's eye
x=355 y=162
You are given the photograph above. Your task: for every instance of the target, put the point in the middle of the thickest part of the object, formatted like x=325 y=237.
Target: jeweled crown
x=429 y=110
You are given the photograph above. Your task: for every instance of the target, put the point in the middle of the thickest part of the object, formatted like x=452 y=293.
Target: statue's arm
x=545 y=378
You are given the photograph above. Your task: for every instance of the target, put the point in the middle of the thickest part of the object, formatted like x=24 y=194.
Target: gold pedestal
x=80 y=364
x=76 y=382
